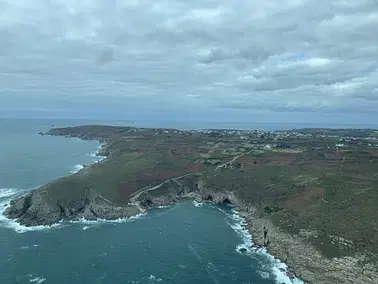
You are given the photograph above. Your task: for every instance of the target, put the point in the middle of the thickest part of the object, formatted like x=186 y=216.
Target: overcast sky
x=274 y=60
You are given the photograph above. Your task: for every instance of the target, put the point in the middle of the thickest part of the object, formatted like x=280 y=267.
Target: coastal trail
x=137 y=194
x=231 y=161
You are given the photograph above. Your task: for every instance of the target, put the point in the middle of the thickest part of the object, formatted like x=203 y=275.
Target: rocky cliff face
x=33 y=209
x=176 y=190
x=309 y=263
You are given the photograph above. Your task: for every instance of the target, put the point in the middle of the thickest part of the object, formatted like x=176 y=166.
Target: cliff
x=312 y=205
x=294 y=250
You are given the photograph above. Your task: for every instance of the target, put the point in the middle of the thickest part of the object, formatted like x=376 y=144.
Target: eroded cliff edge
x=308 y=263
x=314 y=209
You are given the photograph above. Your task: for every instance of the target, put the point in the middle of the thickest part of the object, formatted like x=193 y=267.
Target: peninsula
x=309 y=195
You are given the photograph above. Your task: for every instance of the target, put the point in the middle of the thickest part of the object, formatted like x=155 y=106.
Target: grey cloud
x=303 y=55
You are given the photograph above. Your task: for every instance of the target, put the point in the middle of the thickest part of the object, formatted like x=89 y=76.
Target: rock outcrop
x=33 y=209
x=309 y=263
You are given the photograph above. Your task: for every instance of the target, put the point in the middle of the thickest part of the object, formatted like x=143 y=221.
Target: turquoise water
x=185 y=243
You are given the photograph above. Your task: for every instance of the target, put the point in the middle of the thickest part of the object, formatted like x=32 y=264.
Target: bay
x=184 y=243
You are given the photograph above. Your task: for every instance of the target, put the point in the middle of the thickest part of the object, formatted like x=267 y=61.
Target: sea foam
x=7 y=192
x=163 y=206
x=17 y=227
x=272 y=268
x=6 y=195
x=197 y=204
x=153 y=278
x=84 y=221
x=97 y=156
x=37 y=280
x=76 y=169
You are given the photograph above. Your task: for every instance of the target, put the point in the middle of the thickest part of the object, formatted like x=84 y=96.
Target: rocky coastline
x=304 y=261
x=307 y=263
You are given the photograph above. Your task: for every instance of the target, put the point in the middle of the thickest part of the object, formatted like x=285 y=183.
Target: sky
x=213 y=60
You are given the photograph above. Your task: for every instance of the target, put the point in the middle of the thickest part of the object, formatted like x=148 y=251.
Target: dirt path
x=342 y=163
x=231 y=161
x=138 y=193
x=105 y=199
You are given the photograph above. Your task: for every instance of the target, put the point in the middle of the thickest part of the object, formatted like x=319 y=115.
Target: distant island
x=309 y=195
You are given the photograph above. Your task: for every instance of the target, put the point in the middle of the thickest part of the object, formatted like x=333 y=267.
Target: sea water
x=188 y=242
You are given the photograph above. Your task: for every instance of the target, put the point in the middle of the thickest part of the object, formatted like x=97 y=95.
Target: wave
x=272 y=268
x=28 y=247
x=90 y=223
x=17 y=227
x=93 y=155
x=153 y=278
x=76 y=169
x=6 y=195
x=38 y=280
x=163 y=206
x=96 y=155
x=197 y=204
x=7 y=192
x=84 y=221
x=99 y=159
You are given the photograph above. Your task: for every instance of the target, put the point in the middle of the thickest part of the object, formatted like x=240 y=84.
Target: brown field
x=299 y=201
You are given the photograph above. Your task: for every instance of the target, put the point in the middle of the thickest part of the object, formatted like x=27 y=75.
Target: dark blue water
x=185 y=243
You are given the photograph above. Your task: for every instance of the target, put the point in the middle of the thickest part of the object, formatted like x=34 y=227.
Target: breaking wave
x=36 y=279
x=153 y=278
x=76 y=169
x=7 y=192
x=197 y=204
x=272 y=268
x=89 y=223
x=96 y=155
x=6 y=195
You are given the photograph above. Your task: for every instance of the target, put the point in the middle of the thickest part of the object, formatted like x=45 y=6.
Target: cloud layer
x=273 y=55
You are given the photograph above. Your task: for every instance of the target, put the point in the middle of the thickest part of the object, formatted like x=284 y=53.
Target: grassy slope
x=326 y=191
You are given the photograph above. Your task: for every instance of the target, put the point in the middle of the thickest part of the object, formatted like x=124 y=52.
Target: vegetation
x=302 y=183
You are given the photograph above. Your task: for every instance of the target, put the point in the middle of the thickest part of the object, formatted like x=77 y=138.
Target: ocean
x=185 y=243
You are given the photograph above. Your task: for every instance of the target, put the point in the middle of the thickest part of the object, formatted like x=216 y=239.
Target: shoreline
x=242 y=210
x=293 y=250
x=281 y=270
x=308 y=263
x=301 y=262
x=277 y=266
x=10 y=194
x=299 y=255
